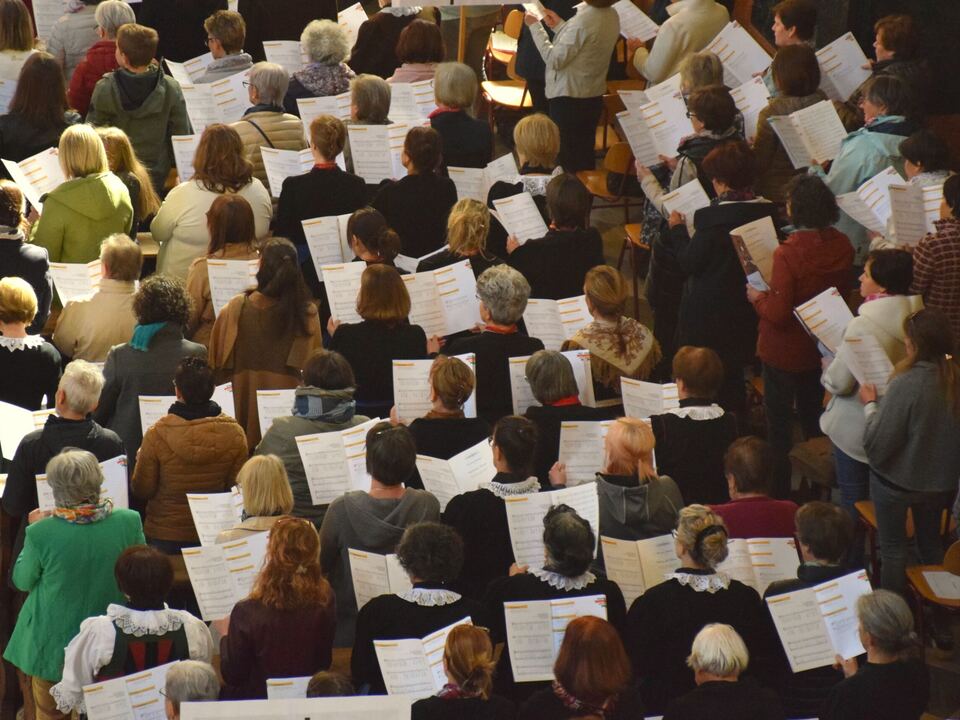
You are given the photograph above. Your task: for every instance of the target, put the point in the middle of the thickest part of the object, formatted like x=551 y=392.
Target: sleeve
x=199 y=640
x=44 y=290
x=645 y=637
x=367 y=40
x=655 y=63
x=888 y=422
x=262 y=208
x=146 y=474
x=493 y=608
x=237 y=649
x=28 y=568
x=616 y=609
x=567 y=43
x=777 y=305
x=96 y=113
x=165 y=221
x=178 y=122
x=847 y=170
x=923 y=268
x=48 y=230
x=53 y=379
x=111 y=391
x=285 y=218
x=90 y=650
x=837 y=378
x=693 y=254
x=20 y=493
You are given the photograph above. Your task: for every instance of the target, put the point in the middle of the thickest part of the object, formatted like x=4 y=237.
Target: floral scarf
x=85 y=514
x=625 y=348
x=579 y=706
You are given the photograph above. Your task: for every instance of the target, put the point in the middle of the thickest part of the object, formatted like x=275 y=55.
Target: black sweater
x=548 y=420
x=179 y=23
x=280 y=20
x=727 y=701
x=897 y=691
x=319 y=193
x=445 y=437
x=416 y=207
x=467 y=142
x=375 y=51
x=27 y=375
x=25 y=260
x=556 y=264
x=436 y=708
x=545 y=705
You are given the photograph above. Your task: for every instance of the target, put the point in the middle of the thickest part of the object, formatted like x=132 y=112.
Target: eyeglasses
x=245 y=83
x=210 y=40
x=673 y=534
x=691 y=114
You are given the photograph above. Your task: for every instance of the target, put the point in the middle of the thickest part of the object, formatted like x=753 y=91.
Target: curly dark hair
x=812 y=204
x=162 y=298
x=431 y=552
x=569 y=540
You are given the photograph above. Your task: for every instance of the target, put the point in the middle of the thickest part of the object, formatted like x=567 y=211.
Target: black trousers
x=577 y=119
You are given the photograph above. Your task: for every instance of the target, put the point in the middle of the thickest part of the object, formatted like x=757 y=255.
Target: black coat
x=416 y=207
x=727 y=701
x=556 y=264
x=896 y=691
x=20 y=138
x=545 y=705
x=548 y=419
x=437 y=708
x=25 y=260
x=478 y=263
x=497 y=237
x=280 y=20
x=179 y=23
x=467 y=141
x=375 y=51
x=445 y=437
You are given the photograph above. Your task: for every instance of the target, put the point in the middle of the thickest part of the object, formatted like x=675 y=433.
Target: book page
x=37 y=175
x=525 y=520
x=410 y=264
x=131 y=697
x=335 y=462
x=411 y=387
x=867 y=361
x=283 y=688
x=45 y=15
x=581 y=449
x=633 y=100
x=222 y=575
x=658 y=558
x=473 y=466
x=287 y=53
x=201 y=108
x=370 y=148
x=563 y=610
x=336 y=105
x=741 y=55
x=530 y=639
x=341 y=282
x=272 y=404
x=822 y=128
x=281 y=164
x=323 y=241
x=223 y=396
x=425 y=308
x=522 y=395
x=542 y=319
x=215 y=512
x=503 y=169
x=350 y=19
x=469 y=182
x=374 y=575
x=438 y=479
x=75 y=281
x=837 y=600
x=457 y=296
x=231 y=97
x=520 y=217
x=621 y=560
x=634 y=24
x=229 y=278
x=869 y=205
x=773 y=559
x=638 y=135
x=412 y=102
x=184 y=149
x=843 y=67
x=755 y=244
x=793 y=140
x=913 y=210
x=114 y=485
x=414 y=667
x=668 y=123
x=643 y=399
x=853 y=205
x=667 y=88
x=187 y=72
x=152 y=408
x=944 y=584
x=826 y=316
x=358 y=707
x=751 y=98
x=802 y=630
x=15 y=423
x=686 y=200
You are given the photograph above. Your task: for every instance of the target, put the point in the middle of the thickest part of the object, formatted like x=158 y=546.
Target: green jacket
x=79 y=214
x=150 y=122
x=68 y=570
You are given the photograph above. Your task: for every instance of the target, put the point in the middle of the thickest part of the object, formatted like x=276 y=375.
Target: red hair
x=291 y=577
x=592 y=664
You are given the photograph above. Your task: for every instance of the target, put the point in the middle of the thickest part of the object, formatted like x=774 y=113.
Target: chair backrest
x=512 y=69
x=513 y=24
x=618 y=158
x=951 y=561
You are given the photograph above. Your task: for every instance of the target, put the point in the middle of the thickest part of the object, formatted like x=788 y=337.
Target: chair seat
x=148 y=246
x=868 y=512
x=596 y=182
x=507 y=93
x=919 y=583
x=632 y=231
x=814 y=460
x=502 y=46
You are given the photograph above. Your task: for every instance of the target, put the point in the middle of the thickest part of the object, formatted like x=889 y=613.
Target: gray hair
x=504 y=292
x=75 y=477
x=569 y=541
x=719 y=650
x=890 y=93
x=371 y=95
x=700 y=70
x=886 y=617
x=455 y=85
x=111 y=14
x=550 y=375
x=271 y=81
x=325 y=42
x=81 y=384
x=191 y=681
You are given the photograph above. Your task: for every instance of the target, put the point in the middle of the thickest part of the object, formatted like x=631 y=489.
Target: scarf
x=143 y=335
x=335 y=407
x=452 y=691
x=579 y=706
x=734 y=196
x=73 y=6
x=875 y=296
x=195 y=411
x=86 y=513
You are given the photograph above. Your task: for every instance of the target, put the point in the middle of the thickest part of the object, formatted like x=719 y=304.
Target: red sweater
x=101 y=59
x=758 y=517
x=807 y=263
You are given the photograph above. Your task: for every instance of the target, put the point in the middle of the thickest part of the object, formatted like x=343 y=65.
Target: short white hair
x=111 y=14
x=81 y=383
x=455 y=85
x=191 y=681
x=271 y=81
x=504 y=292
x=75 y=477
x=325 y=42
x=718 y=650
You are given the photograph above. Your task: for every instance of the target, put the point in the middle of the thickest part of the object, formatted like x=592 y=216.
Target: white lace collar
x=698 y=412
x=144 y=622
x=429 y=597
x=401 y=11
x=562 y=582
x=702 y=583
x=25 y=343
x=537 y=184
x=502 y=490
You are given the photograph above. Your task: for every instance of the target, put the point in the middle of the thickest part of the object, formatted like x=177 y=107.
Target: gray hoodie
x=637 y=512
x=360 y=522
x=225 y=67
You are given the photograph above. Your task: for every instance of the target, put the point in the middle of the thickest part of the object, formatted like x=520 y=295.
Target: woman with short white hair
x=101 y=58
x=189 y=681
x=467 y=141
x=328 y=48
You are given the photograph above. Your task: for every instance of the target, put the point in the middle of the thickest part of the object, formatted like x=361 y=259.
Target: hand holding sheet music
x=867 y=361
x=826 y=316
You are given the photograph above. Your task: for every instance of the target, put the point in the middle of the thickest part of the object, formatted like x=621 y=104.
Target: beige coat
x=776 y=170
x=198 y=287
x=284 y=130
x=88 y=328
x=248 y=527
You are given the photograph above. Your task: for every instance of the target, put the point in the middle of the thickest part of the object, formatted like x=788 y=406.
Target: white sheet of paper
x=520 y=216
x=741 y=55
x=469 y=182
x=913 y=210
x=8 y=88
x=357 y=707
x=410 y=264
x=335 y=462
x=826 y=316
x=757 y=562
x=45 y=15
x=272 y=404
x=525 y=515
x=503 y=169
x=411 y=387
x=464 y=472
x=11 y=63
x=215 y=512
x=74 y=281
x=643 y=399
x=823 y=130
x=15 y=423
x=581 y=449
x=287 y=688
x=520 y=388
x=869 y=204
x=131 y=697
x=414 y=667
x=838 y=605
x=222 y=575
x=412 y=102
x=327 y=241
x=944 y=584
x=760 y=240
x=231 y=97
x=350 y=19
x=843 y=67
x=374 y=575
x=444 y=301
x=114 y=485
x=634 y=23
x=867 y=361
x=37 y=175
x=376 y=151
x=636 y=566
x=287 y=53
x=152 y=408
x=336 y=105
x=686 y=200
x=667 y=120
x=554 y=321
x=341 y=282
x=184 y=149
x=229 y=278
x=281 y=164
x=633 y=100
x=638 y=135
x=751 y=98
x=188 y=71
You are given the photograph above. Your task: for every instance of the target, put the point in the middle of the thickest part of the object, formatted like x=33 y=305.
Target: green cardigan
x=68 y=571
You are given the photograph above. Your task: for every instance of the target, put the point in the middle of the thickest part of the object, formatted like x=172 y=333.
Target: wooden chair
x=813 y=462
x=612 y=104
x=502 y=45
x=867 y=514
x=923 y=593
x=639 y=257
x=510 y=94
x=618 y=159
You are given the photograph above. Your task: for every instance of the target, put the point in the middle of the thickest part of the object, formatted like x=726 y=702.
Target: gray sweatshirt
x=912 y=439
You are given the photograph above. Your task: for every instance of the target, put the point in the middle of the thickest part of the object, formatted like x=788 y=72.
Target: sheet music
x=637 y=566
x=457 y=294
x=826 y=316
x=412 y=102
x=327 y=241
x=913 y=210
x=638 y=135
x=755 y=244
x=341 y=282
x=335 y=462
x=668 y=123
x=16 y=422
x=376 y=151
x=414 y=667
x=520 y=388
x=503 y=169
x=201 y=108
x=310 y=108
x=272 y=404
x=843 y=67
x=643 y=399
x=231 y=97
x=410 y=264
x=469 y=182
x=281 y=164
x=131 y=697
x=792 y=139
x=37 y=175
x=869 y=204
x=633 y=100
x=838 y=604
x=634 y=23
x=751 y=98
x=667 y=88
x=287 y=688
x=525 y=515
x=867 y=361
x=581 y=449
x=114 y=485
x=75 y=281
x=222 y=575
x=822 y=128
x=287 y=53
x=411 y=387
x=554 y=321
x=45 y=15
x=356 y=707
x=944 y=584
x=741 y=55
x=686 y=200
x=757 y=562
x=184 y=150
x=464 y=472
x=152 y=408
x=521 y=217
x=186 y=73
x=215 y=512
x=229 y=278
x=374 y=575
x=350 y=19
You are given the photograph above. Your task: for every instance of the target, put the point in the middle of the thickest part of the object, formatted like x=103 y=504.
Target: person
x=179 y=25
x=369 y=105
x=146 y=364
x=481 y=21
x=465 y=141
x=530 y=65
x=698 y=422
x=690 y=28
x=262 y=337
x=419 y=50
x=280 y=20
x=432 y=556
x=266 y=497
x=76 y=545
x=468 y=226
x=593 y=677
x=375 y=50
x=751 y=513
x=794 y=24
x=910 y=444
x=88 y=327
x=445 y=431
x=16 y=40
x=383 y=335
x=480 y=516
x=284 y=628
x=101 y=58
x=936 y=259
x=323 y=403
x=138 y=635
x=195 y=448
x=556 y=264
x=813 y=259
x=569 y=543
x=887 y=106
x=19 y=258
x=266 y=120
x=416 y=206
x=372 y=240
x=554 y=388
x=619 y=346
x=72 y=35
x=124 y=163
x=91 y=204
x=372 y=520
x=714 y=311
x=795 y=74
x=39 y=111
x=189 y=681
x=887 y=303
x=718 y=657
x=824 y=534
x=468 y=664
x=328 y=683
x=233 y=236
x=327 y=47
x=181 y=227
x=29 y=365
x=143 y=102
x=893 y=683
x=226 y=31
x=663 y=622
x=503 y=294
x=576 y=60
x=897 y=47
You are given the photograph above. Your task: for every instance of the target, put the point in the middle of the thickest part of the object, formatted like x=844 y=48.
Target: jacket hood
x=143 y=94
x=200 y=441
x=634 y=505
x=888 y=313
x=97 y=197
x=823 y=251
x=378 y=531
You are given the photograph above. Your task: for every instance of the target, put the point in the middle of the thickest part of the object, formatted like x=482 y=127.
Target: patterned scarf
x=579 y=706
x=452 y=691
x=85 y=514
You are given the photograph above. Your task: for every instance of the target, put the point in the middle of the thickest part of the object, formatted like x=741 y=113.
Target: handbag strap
x=260 y=130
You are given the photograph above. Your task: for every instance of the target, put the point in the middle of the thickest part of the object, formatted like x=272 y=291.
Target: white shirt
x=694 y=23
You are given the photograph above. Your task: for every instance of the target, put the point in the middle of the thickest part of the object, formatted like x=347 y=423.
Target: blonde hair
x=700 y=70
x=122 y=256
x=81 y=152
x=537 y=139
x=606 y=289
x=18 y=301
x=469 y=658
x=122 y=158
x=703 y=534
x=719 y=650
x=467 y=227
x=265 y=487
x=631 y=448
